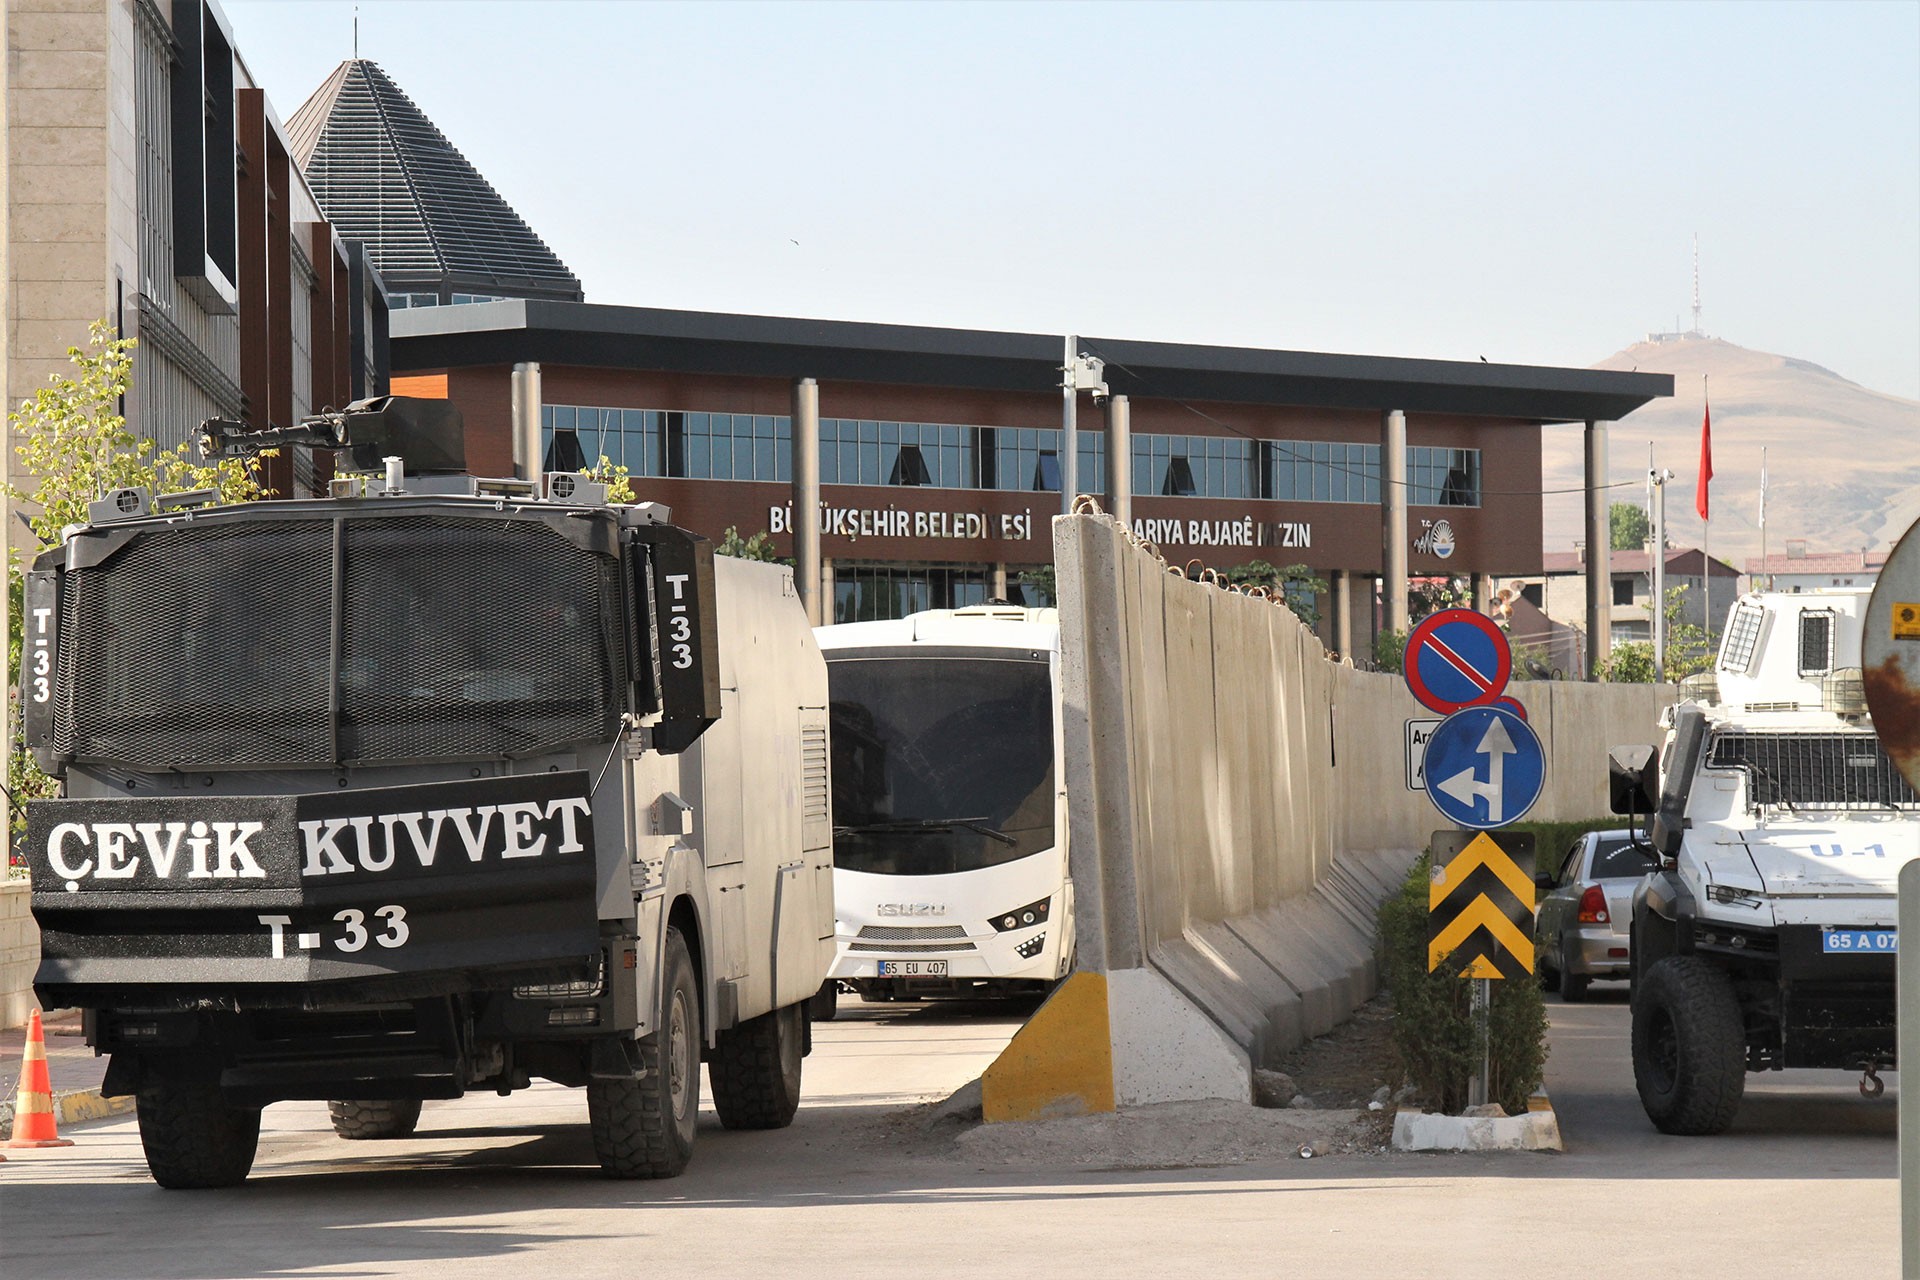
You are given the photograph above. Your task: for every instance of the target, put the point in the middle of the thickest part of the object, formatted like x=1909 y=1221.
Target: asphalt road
x=1806 y=1185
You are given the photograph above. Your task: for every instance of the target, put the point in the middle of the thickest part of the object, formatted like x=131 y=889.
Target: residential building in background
x=1798 y=569
x=1559 y=591
x=150 y=184
x=388 y=178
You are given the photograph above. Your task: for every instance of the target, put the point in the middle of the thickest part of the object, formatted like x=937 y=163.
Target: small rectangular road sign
x=1480 y=902
x=1418 y=731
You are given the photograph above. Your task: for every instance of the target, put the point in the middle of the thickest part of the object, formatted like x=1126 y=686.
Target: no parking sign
x=1455 y=659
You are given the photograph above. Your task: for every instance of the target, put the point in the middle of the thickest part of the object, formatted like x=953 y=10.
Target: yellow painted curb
x=76 y=1108
x=1060 y=1063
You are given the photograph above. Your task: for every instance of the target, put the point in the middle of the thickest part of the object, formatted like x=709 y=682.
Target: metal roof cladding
x=567 y=333
x=389 y=178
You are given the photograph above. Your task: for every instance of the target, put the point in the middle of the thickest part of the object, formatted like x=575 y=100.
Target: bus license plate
x=1852 y=941
x=913 y=968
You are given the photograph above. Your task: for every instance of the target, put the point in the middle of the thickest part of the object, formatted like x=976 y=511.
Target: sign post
x=1480 y=901
x=1483 y=768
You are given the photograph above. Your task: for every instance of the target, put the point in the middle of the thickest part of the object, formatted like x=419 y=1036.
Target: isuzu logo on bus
x=911 y=909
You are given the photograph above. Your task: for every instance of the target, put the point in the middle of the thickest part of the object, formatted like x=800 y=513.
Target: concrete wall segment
x=19 y=953
x=1093 y=678
x=1259 y=790
x=1164 y=1051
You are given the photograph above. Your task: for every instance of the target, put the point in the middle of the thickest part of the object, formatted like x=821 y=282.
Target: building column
x=1483 y=593
x=806 y=497
x=999 y=582
x=1119 y=475
x=827 y=595
x=1393 y=516
x=526 y=420
x=1599 y=561
x=1343 y=613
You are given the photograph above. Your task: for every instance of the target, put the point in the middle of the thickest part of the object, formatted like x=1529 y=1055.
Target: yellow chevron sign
x=1480 y=901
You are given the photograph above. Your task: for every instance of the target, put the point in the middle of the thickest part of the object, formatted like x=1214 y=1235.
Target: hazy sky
x=1515 y=181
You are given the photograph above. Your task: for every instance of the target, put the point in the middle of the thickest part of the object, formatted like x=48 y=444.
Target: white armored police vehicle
x=1765 y=936
x=436 y=784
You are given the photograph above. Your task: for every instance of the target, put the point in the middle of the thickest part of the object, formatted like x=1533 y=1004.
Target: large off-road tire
x=1689 y=1046
x=824 y=1005
x=644 y=1128
x=366 y=1121
x=194 y=1138
x=1573 y=986
x=755 y=1070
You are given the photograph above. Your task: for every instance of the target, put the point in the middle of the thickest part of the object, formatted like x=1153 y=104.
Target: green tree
x=1629 y=530
x=1296 y=584
x=75 y=446
x=1430 y=596
x=618 y=480
x=1043 y=582
x=1390 y=651
x=1689 y=649
x=758 y=547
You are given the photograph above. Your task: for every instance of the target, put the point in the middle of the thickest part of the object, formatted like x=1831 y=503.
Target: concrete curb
x=74 y=1107
x=1537 y=1130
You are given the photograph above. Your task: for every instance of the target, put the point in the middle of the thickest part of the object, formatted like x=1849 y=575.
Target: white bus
x=950 y=821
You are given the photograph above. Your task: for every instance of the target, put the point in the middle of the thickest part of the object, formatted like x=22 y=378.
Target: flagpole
x=1764 y=566
x=1706 y=512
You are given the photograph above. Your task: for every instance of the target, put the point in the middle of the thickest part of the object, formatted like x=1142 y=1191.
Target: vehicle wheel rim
x=678 y=1072
x=1663 y=1050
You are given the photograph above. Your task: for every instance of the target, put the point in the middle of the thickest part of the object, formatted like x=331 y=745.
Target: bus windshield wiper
x=979 y=825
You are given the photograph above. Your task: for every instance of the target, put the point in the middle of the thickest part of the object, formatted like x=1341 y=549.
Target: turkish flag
x=1706 y=461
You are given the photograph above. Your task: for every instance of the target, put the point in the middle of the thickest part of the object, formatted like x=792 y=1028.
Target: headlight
x=1023 y=917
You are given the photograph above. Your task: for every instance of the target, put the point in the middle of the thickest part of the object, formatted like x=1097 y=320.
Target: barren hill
x=1843 y=462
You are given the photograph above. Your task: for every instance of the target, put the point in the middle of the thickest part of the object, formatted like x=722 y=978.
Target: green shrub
x=1433 y=1029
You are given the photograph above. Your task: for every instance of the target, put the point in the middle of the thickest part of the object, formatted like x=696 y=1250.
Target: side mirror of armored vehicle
x=1676 y=784
x=1632 y=779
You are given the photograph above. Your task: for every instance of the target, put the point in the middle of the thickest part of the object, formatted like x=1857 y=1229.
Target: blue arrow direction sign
x=1484 y=768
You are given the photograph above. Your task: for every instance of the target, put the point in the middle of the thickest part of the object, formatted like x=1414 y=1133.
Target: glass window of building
x=737 y=446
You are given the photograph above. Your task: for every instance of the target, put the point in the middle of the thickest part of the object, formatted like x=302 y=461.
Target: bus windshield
x=940 y=764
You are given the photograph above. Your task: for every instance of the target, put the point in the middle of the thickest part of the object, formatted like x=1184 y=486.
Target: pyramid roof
x=386 y=176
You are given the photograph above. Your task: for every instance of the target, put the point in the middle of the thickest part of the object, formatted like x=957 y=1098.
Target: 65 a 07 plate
x=1860 y=941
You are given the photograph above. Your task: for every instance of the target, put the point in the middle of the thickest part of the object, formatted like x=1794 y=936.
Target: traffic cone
x=33 y=1122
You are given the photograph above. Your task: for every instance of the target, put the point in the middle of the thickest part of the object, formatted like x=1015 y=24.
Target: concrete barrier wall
x=1240 y=807
x=19 y=953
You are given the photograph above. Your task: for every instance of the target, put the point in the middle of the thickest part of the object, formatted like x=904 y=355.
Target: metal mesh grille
x=1816 y=641
x=1743 y=635
x=459 y=639
x=888 y=933
x=192 y=655
x=901 y=948
x=1814 y=770
x=472 y=638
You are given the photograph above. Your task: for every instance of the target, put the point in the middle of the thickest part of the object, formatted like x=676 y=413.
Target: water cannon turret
x=429 y=436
